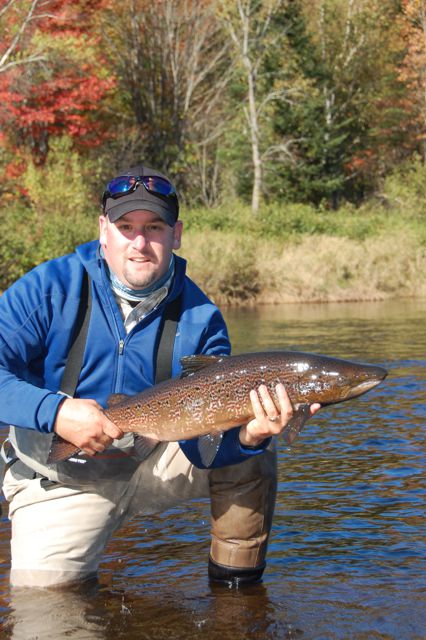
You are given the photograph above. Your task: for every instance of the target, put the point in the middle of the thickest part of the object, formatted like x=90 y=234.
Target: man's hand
x=83 y=423
x=269 y=419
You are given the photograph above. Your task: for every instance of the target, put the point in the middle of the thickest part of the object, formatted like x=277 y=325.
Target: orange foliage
x=53 y=96
x=413 y=68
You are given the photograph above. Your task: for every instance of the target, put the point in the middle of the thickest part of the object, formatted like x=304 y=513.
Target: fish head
x=368 y=377
x=331 y=380
x=357 y=379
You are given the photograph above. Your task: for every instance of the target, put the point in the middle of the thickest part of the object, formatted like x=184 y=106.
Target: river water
x=347 y=557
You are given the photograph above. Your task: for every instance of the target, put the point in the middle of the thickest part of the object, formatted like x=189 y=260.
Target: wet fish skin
x=213 y=394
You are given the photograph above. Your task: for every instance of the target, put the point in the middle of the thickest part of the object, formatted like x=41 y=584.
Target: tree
x=171 y=66
x=250 y=27
x=16 y=19
x=413 y=67
x=61 y=83
x=353 y=44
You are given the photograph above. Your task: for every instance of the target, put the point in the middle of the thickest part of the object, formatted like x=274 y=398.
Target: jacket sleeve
x=215 y=341
x=23 y=320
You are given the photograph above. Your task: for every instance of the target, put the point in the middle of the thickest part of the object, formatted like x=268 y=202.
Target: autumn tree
x=350 y=43
x=16 y=20
x=413 y=69
x=52 y=79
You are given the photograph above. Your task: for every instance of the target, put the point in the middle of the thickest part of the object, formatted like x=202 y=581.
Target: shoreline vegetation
x=287 y=253
x=299 y=253
x=240 y=269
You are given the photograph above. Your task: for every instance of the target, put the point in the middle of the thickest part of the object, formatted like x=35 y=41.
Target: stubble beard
x=142 y=280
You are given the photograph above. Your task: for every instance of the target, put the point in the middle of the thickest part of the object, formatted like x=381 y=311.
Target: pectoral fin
x=300 y=415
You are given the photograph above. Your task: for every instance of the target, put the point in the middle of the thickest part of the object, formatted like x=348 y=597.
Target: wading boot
x=242 y=500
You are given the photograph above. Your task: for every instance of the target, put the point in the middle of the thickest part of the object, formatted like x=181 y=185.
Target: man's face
x=138 y=246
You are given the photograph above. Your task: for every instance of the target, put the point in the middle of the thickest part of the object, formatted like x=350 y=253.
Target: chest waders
x=242 y=496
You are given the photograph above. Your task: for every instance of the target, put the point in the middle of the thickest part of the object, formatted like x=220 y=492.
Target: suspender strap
x=75 y=356
x=164 y=361
x=74 y=361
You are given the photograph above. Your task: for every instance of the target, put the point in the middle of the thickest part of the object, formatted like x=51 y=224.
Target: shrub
x=405 y=189
x=59 y=214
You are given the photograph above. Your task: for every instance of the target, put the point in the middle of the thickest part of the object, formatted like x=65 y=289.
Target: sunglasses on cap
x=123 y=185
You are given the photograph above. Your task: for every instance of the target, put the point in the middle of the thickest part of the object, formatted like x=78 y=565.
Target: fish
x=212 y=395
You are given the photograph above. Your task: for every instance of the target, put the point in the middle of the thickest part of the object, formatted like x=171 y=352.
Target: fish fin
x=60 y=449
x=191 y=364
x=208 y=446
x=144 y=446
x=116 y=398
x=300 y=415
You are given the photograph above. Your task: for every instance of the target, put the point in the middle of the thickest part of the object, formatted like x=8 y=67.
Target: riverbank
x=237 y=270
x=287 y=253
x=298 y=253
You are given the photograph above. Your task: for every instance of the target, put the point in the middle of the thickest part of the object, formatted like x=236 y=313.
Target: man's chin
x=140 y=282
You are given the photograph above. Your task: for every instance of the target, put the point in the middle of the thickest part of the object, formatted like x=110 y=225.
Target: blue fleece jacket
x=37 y=317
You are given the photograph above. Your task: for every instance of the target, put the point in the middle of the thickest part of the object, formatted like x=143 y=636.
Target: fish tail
x=60 y=449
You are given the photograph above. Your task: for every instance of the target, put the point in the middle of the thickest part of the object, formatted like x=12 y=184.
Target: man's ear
x=177 y=234
x=103 y=223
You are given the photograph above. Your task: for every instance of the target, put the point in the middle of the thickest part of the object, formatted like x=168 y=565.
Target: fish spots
x=301 y=366
x=195 y=406
x=217 y=397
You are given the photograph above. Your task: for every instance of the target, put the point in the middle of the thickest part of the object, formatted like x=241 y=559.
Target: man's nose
x=139 y=241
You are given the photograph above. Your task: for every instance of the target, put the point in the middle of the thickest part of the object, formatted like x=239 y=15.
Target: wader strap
x=164 y=360
x=75 y=356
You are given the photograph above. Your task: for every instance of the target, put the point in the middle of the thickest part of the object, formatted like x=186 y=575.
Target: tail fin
x=60 y=449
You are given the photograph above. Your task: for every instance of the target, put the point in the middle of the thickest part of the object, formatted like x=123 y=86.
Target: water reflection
x=348 y=550
x=97 y=612
x=54 y=614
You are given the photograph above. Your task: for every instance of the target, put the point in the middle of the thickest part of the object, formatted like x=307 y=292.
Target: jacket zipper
x=120 y=347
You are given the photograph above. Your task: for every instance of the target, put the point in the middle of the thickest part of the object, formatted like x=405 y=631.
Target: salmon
x=212 y=395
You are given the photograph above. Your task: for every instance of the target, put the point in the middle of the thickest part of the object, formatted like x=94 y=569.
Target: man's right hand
x=84 y=424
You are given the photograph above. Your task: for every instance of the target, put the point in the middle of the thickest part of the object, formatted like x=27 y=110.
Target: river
x=347 y=557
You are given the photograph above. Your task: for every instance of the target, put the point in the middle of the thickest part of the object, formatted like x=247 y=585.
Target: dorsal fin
x=191 y=364
x=116 y=398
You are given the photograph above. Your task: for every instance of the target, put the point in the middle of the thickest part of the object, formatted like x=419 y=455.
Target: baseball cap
x=141 y=188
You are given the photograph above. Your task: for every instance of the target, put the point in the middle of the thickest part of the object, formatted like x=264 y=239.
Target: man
x=64 y=514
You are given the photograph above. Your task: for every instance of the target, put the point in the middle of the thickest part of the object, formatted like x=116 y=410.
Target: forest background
x=294 y=130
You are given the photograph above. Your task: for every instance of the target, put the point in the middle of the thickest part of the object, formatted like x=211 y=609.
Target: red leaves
x=57 y=94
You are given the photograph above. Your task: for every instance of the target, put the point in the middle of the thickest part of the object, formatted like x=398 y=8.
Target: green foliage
x=291 y=220
x=60 y=214
x=16 y=223
x=63 y=184
x=405 y=188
